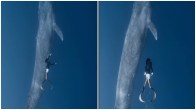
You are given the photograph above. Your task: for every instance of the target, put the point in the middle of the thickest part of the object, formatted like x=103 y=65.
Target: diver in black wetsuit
x=148 y=73
x=48 y=64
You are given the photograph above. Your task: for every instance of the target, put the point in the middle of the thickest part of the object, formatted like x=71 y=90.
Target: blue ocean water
x=74 y=78
x=172 y=55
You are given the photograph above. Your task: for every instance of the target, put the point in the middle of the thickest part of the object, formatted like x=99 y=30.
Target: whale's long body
x=140 y=22
x=43 y=41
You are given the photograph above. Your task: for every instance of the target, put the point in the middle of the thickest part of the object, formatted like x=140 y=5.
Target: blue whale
x=46 y=27
x=140 y=22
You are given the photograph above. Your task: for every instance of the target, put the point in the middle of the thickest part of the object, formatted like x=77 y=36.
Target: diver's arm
x=151 y=69
x=48 y=57
x=152 y=72
x=145 y=71
x=53 y=63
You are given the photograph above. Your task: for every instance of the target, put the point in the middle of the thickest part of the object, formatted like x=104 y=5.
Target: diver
x=48 y=64
x=148 y=73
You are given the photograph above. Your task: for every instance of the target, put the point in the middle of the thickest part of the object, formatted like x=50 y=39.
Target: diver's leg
x=149 y=83
x=46 y=76
x=144 y=85
x=143 y=88
x=42 y=85
x=47 y=70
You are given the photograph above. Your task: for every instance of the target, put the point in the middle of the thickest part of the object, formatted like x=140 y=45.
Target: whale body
x=140 y=22
x=46 y=27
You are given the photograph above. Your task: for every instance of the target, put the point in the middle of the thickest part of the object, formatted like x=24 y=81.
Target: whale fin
x=153 y=30
x=58 y=31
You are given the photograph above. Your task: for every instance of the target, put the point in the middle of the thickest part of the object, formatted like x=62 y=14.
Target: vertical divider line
x=97 y=54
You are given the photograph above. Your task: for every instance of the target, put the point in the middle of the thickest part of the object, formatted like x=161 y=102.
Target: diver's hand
x=144 y=73
x=152 y=73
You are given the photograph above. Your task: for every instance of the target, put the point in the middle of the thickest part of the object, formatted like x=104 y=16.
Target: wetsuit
x=48 y=63
x=148 y=70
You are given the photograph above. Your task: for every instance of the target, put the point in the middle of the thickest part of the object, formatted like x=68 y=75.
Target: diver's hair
x=148 y=63
x=148 y=60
